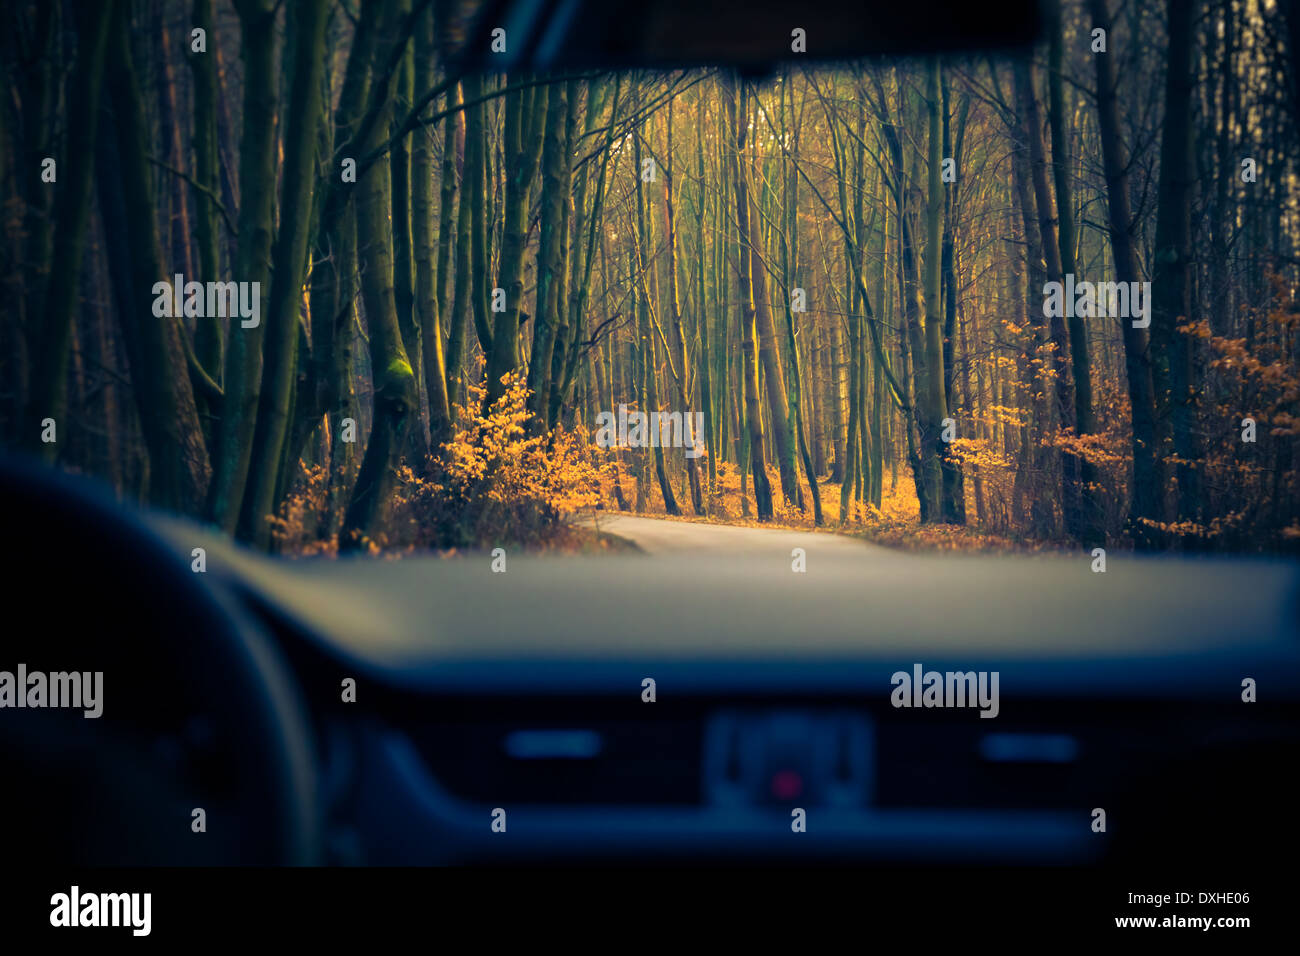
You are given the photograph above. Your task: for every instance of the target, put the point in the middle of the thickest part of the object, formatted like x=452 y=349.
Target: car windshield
x=336 y=281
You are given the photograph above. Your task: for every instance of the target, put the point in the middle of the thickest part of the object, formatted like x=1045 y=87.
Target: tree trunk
x=702 y=313
x=550 y=250
x=1147 y=478
x=1088 y=526
x=790 y=270
x=209 y=336
x=179 y=468
x=476 y=162
x=768 y=353
x=402 y=195
x=71 y=214
x=461 y=302
x=954 y=485
x=334 y=286
x=243 y=380
x=396 y=395
x=641 y=268
x=524 y=120
x=677 y=353
x=837 y=386
x=289 y=256
x=431 y=265
x=1172 y=350
x=935 y=400
x=749 y=369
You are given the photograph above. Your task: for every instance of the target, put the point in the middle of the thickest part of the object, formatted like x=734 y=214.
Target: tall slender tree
x=179 y=467
x=396 y=396
x=738 y=120
x=289 y=257
x=243 y=378
x=1144 y=505
x=72 y=214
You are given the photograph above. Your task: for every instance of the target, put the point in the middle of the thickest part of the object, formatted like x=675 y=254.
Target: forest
x=288 y=269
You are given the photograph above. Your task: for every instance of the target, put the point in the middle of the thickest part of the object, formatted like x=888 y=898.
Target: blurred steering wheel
x=199 y=709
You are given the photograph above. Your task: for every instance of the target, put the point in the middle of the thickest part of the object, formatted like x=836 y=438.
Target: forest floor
x=896 y=524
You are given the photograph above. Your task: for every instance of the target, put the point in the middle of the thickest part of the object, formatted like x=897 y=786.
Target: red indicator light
x=786 y=785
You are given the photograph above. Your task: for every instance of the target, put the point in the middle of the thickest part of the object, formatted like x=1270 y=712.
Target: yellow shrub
x=498 y=478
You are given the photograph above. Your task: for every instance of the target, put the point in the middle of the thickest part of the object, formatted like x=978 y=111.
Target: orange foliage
x=497 y=479
x=297 y=528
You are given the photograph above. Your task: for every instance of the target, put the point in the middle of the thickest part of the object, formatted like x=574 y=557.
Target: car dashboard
x=456 y=722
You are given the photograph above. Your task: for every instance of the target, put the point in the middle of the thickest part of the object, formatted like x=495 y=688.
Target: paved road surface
x=662 y=536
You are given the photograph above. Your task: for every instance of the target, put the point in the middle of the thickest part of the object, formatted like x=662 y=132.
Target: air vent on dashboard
x=611 y=762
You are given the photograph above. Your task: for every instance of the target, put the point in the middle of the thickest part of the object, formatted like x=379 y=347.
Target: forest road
x=662 y=536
